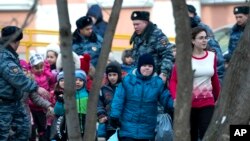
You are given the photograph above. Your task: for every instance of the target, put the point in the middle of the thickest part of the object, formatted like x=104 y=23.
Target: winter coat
x=13 y=81
x=91 y=45
x=104 y=103
x=100 y=26
x=236 y=33
x=45 y=80
x=135 y=104
x=154 y=42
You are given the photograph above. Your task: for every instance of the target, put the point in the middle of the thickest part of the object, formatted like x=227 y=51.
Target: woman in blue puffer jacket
x=134 y=107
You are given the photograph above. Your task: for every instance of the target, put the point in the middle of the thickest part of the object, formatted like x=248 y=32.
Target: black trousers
x=39 y=118
x=109 y=133
x=200 y=119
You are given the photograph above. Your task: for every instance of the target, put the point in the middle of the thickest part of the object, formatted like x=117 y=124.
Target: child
x=45 y=79
x=114 y=77
x=52 y=53
x=59 y=134
x=81 y=99
x=134 y=105
x=127 y=61
x=36 y=98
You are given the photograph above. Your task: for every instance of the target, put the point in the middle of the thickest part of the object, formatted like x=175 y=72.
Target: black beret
x=83 y=22
x=191 y=9
x=241 y=10
x=9 y=31
x=140 y=15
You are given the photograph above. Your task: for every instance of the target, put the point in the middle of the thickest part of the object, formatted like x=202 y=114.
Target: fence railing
x=30 y=40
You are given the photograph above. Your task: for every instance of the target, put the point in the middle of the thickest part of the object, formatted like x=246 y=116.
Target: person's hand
x=50 y=111
x=114 y=122
x=163 y=76
x=43 y=92
x=103 y=119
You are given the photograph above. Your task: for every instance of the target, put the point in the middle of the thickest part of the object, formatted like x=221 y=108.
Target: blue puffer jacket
x=91 y=45
x=135 y=104
x=13 y=81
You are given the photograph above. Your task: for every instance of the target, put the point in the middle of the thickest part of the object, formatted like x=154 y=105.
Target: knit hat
x=126 y=53
x=145 y=59
x=241 y=10
x=36 y=59
x=140 y=15
x=81 y=74
x=60 y=76
x=83 y=22
x=85 y=62
x=115 y=67
x=9 y=31
x=24 y=64
x=53 y=47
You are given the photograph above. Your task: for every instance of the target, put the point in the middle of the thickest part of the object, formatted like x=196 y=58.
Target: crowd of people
x=32 y=92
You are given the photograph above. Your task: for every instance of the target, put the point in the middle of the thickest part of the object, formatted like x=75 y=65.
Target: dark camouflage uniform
x=154 y=42
x=91 y=45
x=236 y=33
x=214 y=46
x=13 y=83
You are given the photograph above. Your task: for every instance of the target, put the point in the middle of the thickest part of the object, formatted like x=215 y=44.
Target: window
x=126 y=3
x=16 y=5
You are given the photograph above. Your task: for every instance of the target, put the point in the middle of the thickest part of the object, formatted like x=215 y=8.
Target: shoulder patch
x=13 y=68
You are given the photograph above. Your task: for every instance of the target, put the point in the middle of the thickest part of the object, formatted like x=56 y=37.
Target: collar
x=10 y=49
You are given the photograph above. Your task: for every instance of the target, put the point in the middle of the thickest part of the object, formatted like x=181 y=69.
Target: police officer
x=85 y=40
x=13 y=83
x=241 y=14
x=148 y=38
x=212 y=43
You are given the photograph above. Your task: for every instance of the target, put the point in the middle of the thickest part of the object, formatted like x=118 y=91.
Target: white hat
x=36 y=59
x=53 y=47
x=76 y=60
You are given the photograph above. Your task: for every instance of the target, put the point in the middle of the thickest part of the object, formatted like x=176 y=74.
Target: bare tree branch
x=72 y=121
x=26 y=22
x=90 y=126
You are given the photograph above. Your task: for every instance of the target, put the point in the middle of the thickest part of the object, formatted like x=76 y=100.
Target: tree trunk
x=233 y=105
x=91 y=118
x=72 y=121
x=185 y=78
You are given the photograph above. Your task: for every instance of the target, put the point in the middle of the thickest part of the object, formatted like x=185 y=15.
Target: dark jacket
x=100 y=25
x=236 y=33
x=154 y=42
x=13 y=81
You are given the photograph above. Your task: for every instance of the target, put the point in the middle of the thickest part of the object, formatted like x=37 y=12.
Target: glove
x=114 y=122
x=59 y=96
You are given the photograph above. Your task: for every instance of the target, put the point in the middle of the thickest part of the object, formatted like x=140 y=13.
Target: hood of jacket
x=95 y=11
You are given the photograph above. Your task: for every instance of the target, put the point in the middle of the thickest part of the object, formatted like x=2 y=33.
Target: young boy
x=114 y=76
